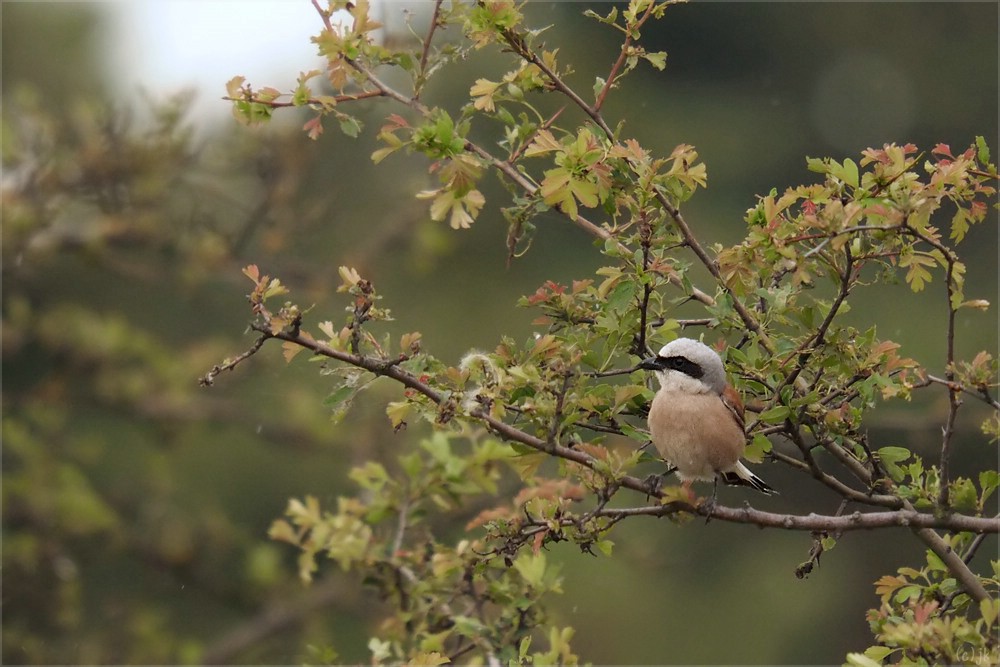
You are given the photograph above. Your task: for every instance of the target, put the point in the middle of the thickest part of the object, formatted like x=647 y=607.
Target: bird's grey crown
x=713 y=373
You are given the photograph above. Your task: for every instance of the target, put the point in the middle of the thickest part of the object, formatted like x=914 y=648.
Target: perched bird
x=696 y=418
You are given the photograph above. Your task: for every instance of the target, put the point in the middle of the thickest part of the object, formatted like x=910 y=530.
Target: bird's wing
x=742 y=476
x=732 y=401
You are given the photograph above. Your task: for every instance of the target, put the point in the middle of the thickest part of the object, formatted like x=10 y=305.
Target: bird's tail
x=742 y=476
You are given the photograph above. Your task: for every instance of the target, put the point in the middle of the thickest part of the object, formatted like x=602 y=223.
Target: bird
x=696 y=418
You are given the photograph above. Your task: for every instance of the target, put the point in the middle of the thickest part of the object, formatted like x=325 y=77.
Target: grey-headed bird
x=696 y=418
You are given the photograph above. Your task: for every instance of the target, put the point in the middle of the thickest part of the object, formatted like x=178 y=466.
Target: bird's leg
x=709 y=504
x=654 y=482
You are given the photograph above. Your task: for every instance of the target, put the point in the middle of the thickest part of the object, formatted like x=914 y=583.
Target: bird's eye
x=684 y=365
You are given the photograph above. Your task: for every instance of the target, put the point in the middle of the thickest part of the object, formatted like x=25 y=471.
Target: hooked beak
x=651 y=364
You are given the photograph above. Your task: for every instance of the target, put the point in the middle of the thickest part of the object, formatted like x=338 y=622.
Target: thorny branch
x=906 y=516
x=426 y=51
x=622 y=57
x=981 y=393
x=954 y=396
x=902 y=512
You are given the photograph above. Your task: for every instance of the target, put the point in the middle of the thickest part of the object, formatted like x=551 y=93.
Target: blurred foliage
x=135 y=504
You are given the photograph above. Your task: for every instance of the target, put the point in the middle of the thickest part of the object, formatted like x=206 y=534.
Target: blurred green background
x=135 y=504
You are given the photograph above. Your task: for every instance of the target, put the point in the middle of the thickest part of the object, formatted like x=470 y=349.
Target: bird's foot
x=707 y=506
x=654 y=483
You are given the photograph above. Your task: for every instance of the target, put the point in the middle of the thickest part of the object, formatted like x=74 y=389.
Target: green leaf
x=817 y=165
x=657 y=60
x=622 y=297
x=405 y=60
x=604 y=546
x=989 y=608
x=398 y=412
x=349 y=125
x=759 y=446
x=862 y=660
x=526 y=465
x=522 y=649
x=381 y=650
x=963 y=494
x=372 y=476
x=989 y=480
x=891 y=457
x=609 y=19
x=983 y=151
x=341 y=395
x=934 y=562
x=412 y=465
x=959 y=225
x=848 y=173
x=282 y=531
x=468 y=626
x=918 y=275
x=775 y=415
x=234 y=87
x=531 y=567
x=907 y=592
x=634 y=433
x=878 y=652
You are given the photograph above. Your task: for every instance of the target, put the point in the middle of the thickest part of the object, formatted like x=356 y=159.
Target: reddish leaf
x=942 y=149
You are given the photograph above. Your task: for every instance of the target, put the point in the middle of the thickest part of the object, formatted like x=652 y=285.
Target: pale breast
x=696 y=433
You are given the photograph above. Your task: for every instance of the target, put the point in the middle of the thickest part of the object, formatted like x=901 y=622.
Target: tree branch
x=426 y=51
x=209 y=378
x=622 y=57
x=819 y=522
x=312 y=101
x=966 y=577
x=906 y=516
x=271 y=621
x=982 y=393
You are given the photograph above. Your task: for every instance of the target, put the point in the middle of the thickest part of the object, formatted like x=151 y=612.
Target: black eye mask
x=684 y=365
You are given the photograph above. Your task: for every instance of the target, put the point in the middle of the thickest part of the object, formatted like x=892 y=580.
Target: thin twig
x=519 y=46
x=811 y=467
x=818 y=548
x=557 y=416
x=981 y=393
x=954 y=396
x=749 y=321
x=209 y=378
x=401 y=525
x=425 y=53
x=647 y=288
x=612 y=373
x=312 y=101
x=622 y=57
